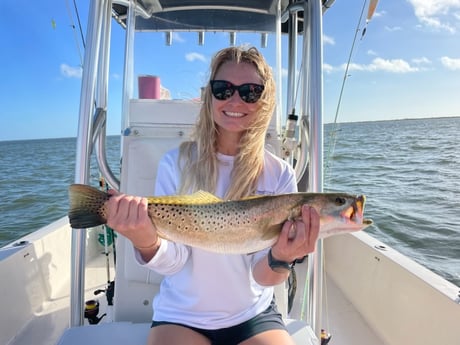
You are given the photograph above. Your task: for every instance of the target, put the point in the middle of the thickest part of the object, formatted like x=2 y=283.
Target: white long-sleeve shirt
x=204 y=289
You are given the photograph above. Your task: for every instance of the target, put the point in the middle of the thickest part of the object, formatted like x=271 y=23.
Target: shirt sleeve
x=170 y=257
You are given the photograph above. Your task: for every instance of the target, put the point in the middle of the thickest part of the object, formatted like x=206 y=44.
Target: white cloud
x=421 y=61
x=71 y=72
x=195 y=57
x=379 y=64
x=284 y=72
x=394 y=66
x=177 y=37
x=378 y=14
x=437 y=24
x=328 y=40
x=437 y=14
x=428 y=8
x=328 y=68
x=449 y=63
x=371 y=52
x=394 y=28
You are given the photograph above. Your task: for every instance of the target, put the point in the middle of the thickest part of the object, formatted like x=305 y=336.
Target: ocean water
x=410 y=172
x=408 y=169
x=34 y=178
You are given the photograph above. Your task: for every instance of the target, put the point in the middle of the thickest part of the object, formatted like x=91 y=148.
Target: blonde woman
x=208 y=298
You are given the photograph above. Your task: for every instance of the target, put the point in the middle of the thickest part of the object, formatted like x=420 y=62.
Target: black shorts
x=265 y=321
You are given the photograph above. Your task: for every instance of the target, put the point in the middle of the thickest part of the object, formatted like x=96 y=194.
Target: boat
x=58 y=288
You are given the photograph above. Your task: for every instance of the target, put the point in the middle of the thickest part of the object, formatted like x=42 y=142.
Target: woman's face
x=233 y=116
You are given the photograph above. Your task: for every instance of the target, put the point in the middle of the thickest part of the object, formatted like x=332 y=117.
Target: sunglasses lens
x=250 y=93
x=221 y=89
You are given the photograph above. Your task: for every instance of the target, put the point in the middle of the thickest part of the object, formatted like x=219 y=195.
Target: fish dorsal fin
x=197 y=198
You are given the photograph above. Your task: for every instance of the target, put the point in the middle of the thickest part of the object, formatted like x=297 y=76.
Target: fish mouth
x=355 y=212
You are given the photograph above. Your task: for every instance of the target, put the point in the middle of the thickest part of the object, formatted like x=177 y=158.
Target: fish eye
x=340 y=201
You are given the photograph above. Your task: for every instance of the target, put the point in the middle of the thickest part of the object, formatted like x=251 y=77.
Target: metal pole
x=128 y=68
x=292 y=62
x=316 y=149
x=102 y=101
x=278 y=77
x=83 y=154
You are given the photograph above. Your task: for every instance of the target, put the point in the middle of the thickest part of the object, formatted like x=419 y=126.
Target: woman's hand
x=128 y=215
x=298 y=237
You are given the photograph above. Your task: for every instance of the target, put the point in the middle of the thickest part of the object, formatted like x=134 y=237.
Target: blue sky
x=406 y=66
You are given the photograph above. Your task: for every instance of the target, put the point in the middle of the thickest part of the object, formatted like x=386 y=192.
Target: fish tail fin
x=87 y=207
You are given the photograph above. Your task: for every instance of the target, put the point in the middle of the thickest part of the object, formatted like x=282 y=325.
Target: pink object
x=149 y=87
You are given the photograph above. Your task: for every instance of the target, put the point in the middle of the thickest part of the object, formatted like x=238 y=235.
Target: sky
x=407 y=65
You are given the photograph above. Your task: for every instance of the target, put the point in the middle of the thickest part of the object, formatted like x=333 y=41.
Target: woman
x=208 y=298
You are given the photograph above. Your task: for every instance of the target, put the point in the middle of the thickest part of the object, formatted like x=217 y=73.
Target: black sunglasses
x=249 y=93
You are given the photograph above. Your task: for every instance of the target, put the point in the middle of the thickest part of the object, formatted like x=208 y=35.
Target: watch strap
x=278 y=265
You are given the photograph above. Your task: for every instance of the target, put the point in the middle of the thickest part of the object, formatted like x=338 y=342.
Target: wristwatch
x=278 y=265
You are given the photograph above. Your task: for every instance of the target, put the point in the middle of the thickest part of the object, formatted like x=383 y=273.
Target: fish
x=232 y=227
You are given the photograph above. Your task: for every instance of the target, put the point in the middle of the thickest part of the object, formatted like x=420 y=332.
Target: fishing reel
x=325 y=337
x=92 y=306
x=91 y=311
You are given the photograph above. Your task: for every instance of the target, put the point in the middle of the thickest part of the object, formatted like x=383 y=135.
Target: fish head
x=341 y=213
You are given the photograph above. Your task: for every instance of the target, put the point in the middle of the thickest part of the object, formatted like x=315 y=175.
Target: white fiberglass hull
x=374 y=294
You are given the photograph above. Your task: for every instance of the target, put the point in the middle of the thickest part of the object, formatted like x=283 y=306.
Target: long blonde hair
x=198 y=158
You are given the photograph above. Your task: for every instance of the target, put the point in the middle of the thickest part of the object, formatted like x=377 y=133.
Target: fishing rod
x=72 y=24
x=106 y=239
x=333 y=135
x=325 y=336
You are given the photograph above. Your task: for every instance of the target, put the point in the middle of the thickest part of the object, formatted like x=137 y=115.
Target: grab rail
x=99 y=143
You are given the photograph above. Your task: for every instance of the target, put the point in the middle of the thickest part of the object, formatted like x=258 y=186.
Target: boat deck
x=342 y=320
x=54 y=317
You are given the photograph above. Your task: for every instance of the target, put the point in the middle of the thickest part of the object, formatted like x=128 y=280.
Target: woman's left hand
x=298 y=237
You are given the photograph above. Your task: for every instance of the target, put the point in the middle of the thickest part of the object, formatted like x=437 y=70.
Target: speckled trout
x=243 y=226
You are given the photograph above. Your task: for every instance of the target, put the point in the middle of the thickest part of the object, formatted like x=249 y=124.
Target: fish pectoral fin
x=272 y=231
x=197 y=198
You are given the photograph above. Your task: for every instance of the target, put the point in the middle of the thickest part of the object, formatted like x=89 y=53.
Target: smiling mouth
x=233 y=114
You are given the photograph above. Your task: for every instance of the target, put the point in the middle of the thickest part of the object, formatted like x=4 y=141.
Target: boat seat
x=122 y=333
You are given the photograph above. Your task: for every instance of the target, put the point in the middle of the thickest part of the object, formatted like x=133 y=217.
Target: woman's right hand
x=128 y=215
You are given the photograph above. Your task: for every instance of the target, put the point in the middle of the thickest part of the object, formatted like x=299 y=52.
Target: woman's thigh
x=271 y=337
x=175 y=335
